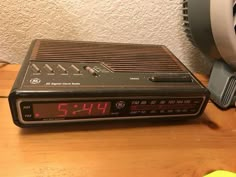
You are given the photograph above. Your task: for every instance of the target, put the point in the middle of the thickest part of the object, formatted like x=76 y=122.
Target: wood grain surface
x=117 y=149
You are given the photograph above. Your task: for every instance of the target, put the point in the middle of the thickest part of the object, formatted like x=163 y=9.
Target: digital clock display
x=71 y=109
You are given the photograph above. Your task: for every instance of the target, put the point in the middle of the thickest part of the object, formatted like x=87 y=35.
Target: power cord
x=3 y=96
x=3 y=64
x=4 y=61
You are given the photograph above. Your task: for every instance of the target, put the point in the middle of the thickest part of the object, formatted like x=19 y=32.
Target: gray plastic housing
x=222 y=85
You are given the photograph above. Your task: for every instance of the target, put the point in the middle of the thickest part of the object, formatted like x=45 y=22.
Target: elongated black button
x=184 y=78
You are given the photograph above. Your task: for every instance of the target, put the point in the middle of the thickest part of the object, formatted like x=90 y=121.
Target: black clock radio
x=71 y=81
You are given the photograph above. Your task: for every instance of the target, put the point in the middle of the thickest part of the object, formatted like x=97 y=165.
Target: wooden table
x=119 y=149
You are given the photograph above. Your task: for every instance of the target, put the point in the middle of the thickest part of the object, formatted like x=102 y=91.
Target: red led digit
x=88 y=107
x=63 y=109
x=103 y=108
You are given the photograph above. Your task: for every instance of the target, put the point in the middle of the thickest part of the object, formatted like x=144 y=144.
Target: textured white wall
x=136 y=21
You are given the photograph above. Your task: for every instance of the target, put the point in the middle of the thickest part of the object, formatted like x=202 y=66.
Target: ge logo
x=120 y=104
x=35 y=81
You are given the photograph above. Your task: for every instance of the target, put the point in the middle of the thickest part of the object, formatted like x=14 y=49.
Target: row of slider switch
x=49 y=69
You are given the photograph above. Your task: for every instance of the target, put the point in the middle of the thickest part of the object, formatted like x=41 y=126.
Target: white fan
x=210 y=26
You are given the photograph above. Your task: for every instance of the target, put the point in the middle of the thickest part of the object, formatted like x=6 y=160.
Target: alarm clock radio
x=72 y=82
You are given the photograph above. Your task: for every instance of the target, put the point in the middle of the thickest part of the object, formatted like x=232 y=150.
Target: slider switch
x=35 y=68
x=49 y=68
x=91 y=70
x=75 y=68
x=62 y=68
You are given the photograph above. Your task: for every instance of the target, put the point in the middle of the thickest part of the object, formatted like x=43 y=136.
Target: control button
x=35 y=68
x=62 y=68
x=49 y=68
x=91 y=70
x=75 y=68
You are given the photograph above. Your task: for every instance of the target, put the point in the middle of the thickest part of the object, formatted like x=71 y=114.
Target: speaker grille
x=118 y=57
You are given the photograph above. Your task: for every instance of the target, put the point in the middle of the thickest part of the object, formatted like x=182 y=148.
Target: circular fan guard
x=210 y=25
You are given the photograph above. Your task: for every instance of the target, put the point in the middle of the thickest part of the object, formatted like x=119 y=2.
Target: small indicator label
x=153 y=112
x=187 y=101
x=193 y=110
x=28 y=115
x=135 y=102
x=26 y=107
x=153 y=102
x=177 y=110
x=171 y=102
x=170 y=111
x=143 y=102
x=162 y=111
x=143 y=112
x=134 y=78
x=180 y=101
x=133 y=112
x=163 y=102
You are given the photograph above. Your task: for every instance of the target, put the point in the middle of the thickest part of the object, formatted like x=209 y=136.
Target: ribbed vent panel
x=229 y=92
x=118 y=57
x=186 y=22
